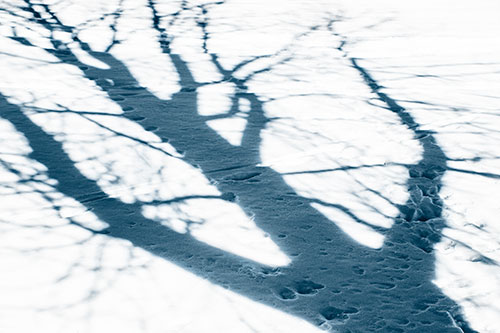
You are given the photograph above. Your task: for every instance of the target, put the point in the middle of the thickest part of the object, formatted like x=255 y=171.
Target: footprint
x=228 y=196
x=306 y=287
x=287 y=294
x=333 y=313
x=358 y=270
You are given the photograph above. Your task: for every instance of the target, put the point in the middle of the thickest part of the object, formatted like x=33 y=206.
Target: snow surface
x=249 y=166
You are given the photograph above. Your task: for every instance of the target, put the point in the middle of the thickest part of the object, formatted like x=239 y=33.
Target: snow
x=249 y=166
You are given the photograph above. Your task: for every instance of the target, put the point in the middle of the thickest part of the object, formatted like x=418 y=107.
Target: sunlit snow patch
x=230 y=129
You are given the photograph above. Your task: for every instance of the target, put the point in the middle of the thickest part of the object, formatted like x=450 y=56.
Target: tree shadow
x=332 y=281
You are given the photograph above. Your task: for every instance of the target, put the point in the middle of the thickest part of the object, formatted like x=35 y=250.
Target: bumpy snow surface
x=249 y=166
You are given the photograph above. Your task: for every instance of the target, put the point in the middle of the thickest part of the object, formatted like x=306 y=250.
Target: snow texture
x=249 y=166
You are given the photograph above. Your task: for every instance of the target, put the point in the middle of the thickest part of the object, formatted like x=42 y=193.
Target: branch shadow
x=332 y=281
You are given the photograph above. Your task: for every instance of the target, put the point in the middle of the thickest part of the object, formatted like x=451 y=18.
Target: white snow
x=333 y=141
